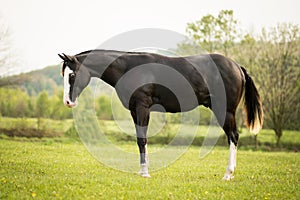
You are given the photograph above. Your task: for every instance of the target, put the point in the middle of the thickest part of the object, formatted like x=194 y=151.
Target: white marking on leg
x=146 y=156
x=144 y=171
x=231 y=162
x=144 y=166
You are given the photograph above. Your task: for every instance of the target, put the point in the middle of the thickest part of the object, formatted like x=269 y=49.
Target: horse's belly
x=166 y=100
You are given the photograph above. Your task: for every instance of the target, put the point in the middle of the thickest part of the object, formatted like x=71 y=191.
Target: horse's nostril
x=68 y=102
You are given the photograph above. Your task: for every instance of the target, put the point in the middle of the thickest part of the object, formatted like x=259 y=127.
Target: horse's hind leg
x=232 y=136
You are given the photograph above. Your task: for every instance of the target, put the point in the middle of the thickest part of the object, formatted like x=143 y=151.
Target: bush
x=72 y=133
x=22 y=127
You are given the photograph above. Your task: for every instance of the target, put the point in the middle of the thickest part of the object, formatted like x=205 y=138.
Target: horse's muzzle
x=69 y=103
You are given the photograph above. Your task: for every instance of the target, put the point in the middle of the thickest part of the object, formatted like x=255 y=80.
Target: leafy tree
x=214 y=33
x=228 y=30
x=42 y=107
x=278 y=75
x=203 y=32
x=31 y=106
x=103 y=107
x=4 y=48
x=57 y=109
x=14 y=102
x=6 y=108
x=21 y=105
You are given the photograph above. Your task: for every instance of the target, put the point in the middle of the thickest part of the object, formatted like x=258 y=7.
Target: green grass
x=44 y=170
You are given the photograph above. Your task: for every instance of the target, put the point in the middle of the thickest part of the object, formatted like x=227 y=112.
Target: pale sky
x=41 y=29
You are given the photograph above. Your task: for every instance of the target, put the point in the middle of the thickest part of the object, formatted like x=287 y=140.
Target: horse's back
x=192 y=76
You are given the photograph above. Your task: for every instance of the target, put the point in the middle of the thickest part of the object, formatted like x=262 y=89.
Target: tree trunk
x=38 y=123
x=256 y=141
x=278 y=136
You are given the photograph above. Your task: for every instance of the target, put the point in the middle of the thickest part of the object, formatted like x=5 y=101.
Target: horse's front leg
x=144 y=162
x=141 y=119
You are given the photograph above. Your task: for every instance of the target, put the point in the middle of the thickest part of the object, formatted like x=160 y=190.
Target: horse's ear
x=62 y=57
x=69 y=58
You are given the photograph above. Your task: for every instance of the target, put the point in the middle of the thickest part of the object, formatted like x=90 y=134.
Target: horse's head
x=76 y=78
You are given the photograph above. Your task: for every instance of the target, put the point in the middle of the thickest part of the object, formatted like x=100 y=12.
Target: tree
x=14 y=102
x=5 y=57
x=215 y=33
x=42 y=107
x=103 y=107
x=203 y=32
x=57 y=109
x=279 y=72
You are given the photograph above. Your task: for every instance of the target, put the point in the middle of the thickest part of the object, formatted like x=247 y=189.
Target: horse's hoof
x=227 y=178
x=144 y=171
x=145 y=175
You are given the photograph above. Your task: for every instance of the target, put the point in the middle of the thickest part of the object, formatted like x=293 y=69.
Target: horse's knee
x=141 y=142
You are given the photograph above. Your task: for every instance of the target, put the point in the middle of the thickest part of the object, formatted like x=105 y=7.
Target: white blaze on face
x=67 y=86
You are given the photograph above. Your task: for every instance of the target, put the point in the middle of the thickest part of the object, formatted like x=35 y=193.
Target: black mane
x=112 y=51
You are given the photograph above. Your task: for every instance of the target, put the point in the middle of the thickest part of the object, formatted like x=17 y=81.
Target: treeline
x=16 y=103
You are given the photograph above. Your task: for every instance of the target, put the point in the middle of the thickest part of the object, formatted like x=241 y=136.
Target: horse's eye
x=72 y=75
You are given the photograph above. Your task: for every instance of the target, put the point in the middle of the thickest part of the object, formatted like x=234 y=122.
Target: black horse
x=178 y=84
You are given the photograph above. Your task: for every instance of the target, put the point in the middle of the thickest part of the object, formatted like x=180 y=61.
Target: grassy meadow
x=61 y=167
x=44 y=170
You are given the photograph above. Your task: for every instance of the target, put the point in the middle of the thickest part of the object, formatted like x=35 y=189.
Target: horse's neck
x=100 y=65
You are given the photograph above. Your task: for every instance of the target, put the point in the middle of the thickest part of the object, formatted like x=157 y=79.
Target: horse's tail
x=253 y=105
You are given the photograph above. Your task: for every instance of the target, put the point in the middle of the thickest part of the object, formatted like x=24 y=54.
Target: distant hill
x=47 y=79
